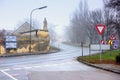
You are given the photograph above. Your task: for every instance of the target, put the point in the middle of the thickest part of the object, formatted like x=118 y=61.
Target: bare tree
x=3 y=33
x=114 y=6
x=94 y=18
x=52 y=32
x=83 y=24
x=77 y=28
x=109 y=17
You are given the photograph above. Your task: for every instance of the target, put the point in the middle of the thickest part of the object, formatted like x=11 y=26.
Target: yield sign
x=100 y=28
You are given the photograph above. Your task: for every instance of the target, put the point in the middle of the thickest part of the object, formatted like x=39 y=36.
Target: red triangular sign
x=100 y=28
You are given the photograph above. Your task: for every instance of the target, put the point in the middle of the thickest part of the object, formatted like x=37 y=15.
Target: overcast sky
x=58 y=12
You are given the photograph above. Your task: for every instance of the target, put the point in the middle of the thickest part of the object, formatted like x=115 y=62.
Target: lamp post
x=31 y=24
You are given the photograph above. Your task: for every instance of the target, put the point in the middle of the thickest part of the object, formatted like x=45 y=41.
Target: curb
x=27 y=54
x=99 y=67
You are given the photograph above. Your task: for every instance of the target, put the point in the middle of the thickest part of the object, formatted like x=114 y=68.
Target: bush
x=118 y=58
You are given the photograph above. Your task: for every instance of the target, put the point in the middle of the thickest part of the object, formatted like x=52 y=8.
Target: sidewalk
x=107 y=67
x=72 y=75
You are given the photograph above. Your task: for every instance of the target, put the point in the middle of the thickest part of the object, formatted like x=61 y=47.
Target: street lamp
x=31 y=23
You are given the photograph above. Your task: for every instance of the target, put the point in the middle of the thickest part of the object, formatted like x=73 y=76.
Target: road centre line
x=10 y=76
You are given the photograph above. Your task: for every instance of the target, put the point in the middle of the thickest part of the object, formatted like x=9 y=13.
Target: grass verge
x=107 y=57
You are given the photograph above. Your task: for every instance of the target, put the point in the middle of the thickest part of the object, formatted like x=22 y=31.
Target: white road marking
x=30 y=67
x=62 y=63
x=8 y=75
x=16 y=74
x=17 y=68
x=27 y=67
x=55 y=64
x=39 y=66
x=6 y=70
x=71 y=62
x=47 y=65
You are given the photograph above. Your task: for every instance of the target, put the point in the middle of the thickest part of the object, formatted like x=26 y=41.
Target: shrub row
x=118 y=58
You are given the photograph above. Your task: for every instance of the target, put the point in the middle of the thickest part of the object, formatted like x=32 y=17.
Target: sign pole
x=100 y=48
x=82 y=47
x=100 y=28
x=0 y=49
x=0 y=46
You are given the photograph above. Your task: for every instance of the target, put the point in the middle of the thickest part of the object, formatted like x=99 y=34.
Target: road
x=21 y=68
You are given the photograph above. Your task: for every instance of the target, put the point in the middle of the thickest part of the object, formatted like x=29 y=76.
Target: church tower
x=45 y=24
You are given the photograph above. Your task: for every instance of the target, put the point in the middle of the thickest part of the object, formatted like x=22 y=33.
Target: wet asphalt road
x=23 y=67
